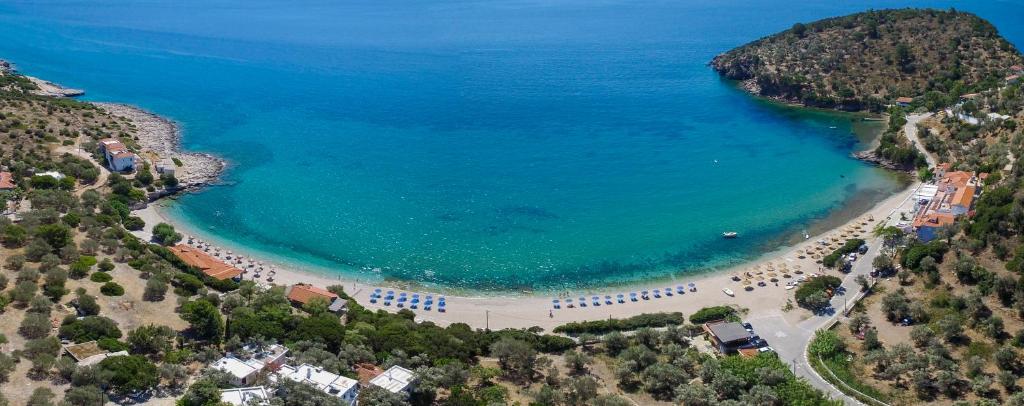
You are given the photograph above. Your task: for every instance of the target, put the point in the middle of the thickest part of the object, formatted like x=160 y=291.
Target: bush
x=111 y=289
x=100 y=277
x=809 y=292
x=850 y=246
x=88 y=328
x=712 y=313
x=632 y=323
x=80 y=267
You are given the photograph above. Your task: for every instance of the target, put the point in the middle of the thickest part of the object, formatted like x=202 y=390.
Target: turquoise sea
x=490 y=144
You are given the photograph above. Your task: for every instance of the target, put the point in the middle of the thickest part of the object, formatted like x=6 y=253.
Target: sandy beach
x=528 y=310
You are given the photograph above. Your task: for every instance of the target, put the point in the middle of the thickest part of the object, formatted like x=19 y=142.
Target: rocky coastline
x=161 y=137
x=43 y=87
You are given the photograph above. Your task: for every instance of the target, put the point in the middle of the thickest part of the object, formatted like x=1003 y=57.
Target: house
x=969 y=96
x=727 y=336
x=241 y=372
x=904 y=101
x=963 y=199
x=270 y=358
x=347 y=389
x=7 y=181
x=255 y=395
x=165 y=167
x=1018 y=69
x=1012 y=79
x=301 y=294
x=396 y=380
x=119 y=158
x=209 y=265
x=90 y=353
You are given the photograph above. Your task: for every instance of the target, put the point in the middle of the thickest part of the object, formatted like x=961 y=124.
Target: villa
x=727 y=336
x=396 y=380
x=301 y=294
x=255 y=395
x=953 y=196
x=7 y=181
x=242 y=373
x=210 y=266
x=904 y=101
x=347 y=389
x=119 y=158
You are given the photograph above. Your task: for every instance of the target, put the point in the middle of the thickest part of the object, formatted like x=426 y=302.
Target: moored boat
x=730 y=234
x=728 y=292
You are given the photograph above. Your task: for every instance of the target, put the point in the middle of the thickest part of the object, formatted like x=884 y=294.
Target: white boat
x=728 y=292
x=790 y=287
x=730 y=234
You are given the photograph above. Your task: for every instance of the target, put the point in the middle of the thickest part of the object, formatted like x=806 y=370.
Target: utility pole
x=487 y=320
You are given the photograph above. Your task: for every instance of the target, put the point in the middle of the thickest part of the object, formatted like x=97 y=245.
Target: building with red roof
x=209 y=265
x=7 y=181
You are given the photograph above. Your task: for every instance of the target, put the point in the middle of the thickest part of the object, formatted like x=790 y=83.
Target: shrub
x=850 y=246
x=111 y=289
x=632 y=323
x=88 y=328
x=100 y=277
x=809 y=292
x=712 y=313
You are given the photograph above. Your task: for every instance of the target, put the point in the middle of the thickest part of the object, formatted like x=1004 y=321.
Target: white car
x=766 y=349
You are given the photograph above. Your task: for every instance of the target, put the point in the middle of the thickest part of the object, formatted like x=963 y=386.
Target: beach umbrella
x=786 y=275
x=775 y=279
x=772 y=274
x=748 y=288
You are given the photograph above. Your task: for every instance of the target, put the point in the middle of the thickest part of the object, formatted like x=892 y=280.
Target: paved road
x=790 y=341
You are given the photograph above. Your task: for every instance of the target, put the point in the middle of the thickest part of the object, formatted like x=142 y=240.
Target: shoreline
x=159 y=139
x=524 y=310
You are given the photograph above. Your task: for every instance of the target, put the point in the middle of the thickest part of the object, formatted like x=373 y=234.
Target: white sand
x=527 y=310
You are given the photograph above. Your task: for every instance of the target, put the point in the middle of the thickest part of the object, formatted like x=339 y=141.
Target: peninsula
x=869 y=60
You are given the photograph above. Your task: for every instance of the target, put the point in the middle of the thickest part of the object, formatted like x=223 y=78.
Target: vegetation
x=815 y=293
x=712 y=313
x=866 y=60
x=850 y=246
x=632 y=323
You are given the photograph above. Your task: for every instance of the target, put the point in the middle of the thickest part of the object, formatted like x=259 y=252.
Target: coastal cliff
x=864 y=61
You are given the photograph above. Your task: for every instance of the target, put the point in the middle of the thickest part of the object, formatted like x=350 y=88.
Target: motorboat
x=728 y=292
x=730 y=234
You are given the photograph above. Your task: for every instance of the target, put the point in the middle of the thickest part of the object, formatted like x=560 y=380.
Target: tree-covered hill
x=866 y=60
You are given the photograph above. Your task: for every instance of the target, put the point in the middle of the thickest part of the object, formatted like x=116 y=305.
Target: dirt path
x=910 y=129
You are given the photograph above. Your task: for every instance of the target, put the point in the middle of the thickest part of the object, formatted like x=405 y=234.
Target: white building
x=396 y=379
x=119 y=158
x=245 y=396
x=242 y=373
x=346 y=389
x=52 y=174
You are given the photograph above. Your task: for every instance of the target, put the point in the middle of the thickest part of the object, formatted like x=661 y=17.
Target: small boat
x=728 y=292
x=730 y=234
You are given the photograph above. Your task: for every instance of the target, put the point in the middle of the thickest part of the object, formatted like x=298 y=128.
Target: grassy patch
x=845 y=372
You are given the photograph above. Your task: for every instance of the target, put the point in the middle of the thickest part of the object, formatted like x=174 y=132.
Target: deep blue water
x=482 y=144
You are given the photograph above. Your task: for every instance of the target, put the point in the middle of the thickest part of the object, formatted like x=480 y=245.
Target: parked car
x=863 y=249
x=766 y=349
x=750 y=329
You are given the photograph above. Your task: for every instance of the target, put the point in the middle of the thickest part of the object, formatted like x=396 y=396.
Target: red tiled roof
x=959 y=179
x=303 y=293
x=209 y=265
x=934 y=220
x=964 y=197
x=904 y=100
x=6 y=180
x=367 y=372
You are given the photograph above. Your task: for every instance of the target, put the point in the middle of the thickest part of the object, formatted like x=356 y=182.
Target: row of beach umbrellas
x=621 y=298
x=403 y=299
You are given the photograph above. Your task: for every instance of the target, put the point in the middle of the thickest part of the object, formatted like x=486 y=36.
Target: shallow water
x=489 y=144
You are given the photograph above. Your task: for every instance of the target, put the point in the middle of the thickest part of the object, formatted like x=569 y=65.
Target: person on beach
x=551 y=314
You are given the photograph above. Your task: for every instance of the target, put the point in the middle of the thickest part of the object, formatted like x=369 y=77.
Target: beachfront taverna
x=952 y=196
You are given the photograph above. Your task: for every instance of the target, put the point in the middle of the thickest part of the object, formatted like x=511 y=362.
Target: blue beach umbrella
x=607 y=299
x=668 y=291
x=620 y=297
x=680 y=289
x=693 y=287
x=376 y=290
